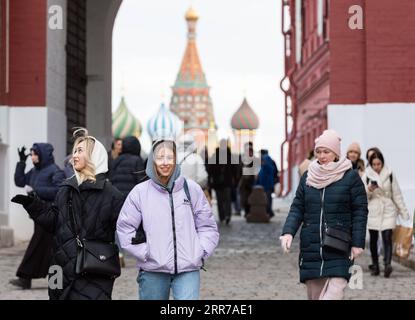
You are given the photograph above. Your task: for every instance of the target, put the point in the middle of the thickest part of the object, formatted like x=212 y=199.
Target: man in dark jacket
x=128 y=168
x=223 y=174
x=42 y=181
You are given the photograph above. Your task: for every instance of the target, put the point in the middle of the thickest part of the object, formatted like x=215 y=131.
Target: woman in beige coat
x=385 y=203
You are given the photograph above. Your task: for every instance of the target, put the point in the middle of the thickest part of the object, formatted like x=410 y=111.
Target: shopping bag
x=402 y=240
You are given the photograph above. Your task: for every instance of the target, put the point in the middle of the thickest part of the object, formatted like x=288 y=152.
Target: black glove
x=22 y=154
x=140 y=235
x=22 y=199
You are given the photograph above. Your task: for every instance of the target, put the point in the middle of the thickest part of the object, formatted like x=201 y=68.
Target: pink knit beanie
x=329 y=139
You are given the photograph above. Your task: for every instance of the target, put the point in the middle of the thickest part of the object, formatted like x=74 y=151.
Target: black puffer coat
x=128 y=169
x=343 y=206
x=96 y=207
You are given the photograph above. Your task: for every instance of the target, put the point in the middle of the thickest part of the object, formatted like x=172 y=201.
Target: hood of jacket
x=45 y=153
x=153 y=175
x=131 y=145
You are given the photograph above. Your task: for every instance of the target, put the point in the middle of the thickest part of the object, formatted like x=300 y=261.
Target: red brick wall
x=390 y=50
x=376 y=64
x=347 y=55
x=2 y=49
x=27 y=54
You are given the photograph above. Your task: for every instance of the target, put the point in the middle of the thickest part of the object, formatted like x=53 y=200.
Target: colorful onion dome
x=164 y=125
x=245 y=118
x=124 y=124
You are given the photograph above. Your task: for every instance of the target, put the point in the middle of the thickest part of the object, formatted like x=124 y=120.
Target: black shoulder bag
x=94 y=257
x=335 y=238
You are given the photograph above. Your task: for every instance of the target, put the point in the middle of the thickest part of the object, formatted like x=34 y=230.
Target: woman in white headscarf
x=86 y=207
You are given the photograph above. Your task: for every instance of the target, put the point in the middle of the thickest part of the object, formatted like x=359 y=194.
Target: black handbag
x=94 y=257
x=336 y=239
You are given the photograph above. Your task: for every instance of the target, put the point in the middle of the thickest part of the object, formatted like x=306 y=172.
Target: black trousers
x=269 y=203
x=38 y=255
x=224 y=198
x=387 y=245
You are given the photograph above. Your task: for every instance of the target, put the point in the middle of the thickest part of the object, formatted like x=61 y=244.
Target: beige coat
x=385 y=202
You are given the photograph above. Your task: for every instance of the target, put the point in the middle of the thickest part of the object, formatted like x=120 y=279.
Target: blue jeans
x=156 y=285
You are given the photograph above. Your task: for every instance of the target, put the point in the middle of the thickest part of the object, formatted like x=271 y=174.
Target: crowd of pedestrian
x=159 y=209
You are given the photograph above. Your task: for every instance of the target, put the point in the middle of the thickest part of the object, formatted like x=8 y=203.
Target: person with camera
x=385 y=203
x=330 y=205
x=82 y=220
x=42 y=182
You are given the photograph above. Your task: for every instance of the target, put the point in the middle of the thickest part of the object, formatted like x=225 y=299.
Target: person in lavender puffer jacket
x=176 y=242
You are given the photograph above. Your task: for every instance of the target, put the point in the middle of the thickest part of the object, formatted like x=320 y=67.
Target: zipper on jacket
x=174 y=229
x=321 y=232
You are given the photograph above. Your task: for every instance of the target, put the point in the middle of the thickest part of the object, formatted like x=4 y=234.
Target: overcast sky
x=241 y=50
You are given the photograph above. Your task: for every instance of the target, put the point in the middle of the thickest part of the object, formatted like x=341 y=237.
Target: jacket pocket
x=196 y=259
x=141 y=252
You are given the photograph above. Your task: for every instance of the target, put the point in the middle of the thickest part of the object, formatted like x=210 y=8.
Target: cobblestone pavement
x=248 y=264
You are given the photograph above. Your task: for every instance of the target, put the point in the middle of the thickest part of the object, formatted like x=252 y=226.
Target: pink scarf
x=320 y=176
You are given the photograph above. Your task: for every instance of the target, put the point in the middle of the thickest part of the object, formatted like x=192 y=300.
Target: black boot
x=22 y=283
x=375 y=269
x=387 y=247
x=388 y=270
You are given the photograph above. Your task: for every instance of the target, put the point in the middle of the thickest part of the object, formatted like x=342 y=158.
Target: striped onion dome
x=245 y=118
x=124 y=124
x=164 y=125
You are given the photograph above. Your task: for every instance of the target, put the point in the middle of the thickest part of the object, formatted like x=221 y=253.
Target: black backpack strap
x=186 y=190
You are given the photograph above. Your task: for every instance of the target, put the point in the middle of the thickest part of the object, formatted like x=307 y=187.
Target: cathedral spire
x=191 y=18
x=190 y=99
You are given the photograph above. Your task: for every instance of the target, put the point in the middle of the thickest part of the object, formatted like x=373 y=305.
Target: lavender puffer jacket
x=177 y=241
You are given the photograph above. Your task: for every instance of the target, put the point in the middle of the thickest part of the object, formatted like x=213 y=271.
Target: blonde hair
x=87 y=173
